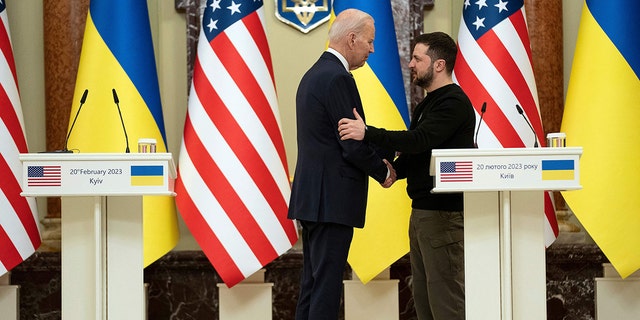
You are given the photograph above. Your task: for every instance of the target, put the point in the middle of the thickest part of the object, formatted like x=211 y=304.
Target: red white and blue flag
x=44 y=176
x=456 y=171
x=19 y=234
x=233 y=183
x=494 y=65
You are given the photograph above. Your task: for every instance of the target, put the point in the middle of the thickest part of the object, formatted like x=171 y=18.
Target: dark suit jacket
x=330 y=182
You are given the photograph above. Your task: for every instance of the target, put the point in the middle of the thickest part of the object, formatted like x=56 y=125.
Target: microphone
x=535 y=144
x=82 y=100
x=482 y=111
x=117 y=102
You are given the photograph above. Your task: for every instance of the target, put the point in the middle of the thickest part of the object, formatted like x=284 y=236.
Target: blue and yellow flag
x=558 y=170
x=117 y=53
x=601 y=115
x=384 y=238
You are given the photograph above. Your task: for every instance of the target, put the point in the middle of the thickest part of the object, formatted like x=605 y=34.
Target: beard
x=425 y=80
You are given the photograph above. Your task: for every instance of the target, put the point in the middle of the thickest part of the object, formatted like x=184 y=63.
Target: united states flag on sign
x=456 y=171
x=494 y=66
x=19 y=234
x=44 y=176
x=233 y=187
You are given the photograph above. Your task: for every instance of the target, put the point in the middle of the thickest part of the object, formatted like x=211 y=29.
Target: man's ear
x=352 y=39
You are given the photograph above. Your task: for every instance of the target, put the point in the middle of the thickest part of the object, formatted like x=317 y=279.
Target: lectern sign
x=506 y=169
x=97 y=173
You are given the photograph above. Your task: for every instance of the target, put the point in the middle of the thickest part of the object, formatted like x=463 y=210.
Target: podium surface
x=505 y=269
x=102 y=201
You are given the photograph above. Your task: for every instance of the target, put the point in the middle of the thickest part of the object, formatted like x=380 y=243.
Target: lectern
x=504 y=223
x=102 y=196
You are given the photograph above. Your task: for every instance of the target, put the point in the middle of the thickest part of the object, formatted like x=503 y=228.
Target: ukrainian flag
x=117 y=53
x=147 y=175
x=601 y=114
x=558 y=170
x=384 y=238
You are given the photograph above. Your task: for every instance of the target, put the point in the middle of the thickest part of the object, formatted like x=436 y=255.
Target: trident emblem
x=303 y=15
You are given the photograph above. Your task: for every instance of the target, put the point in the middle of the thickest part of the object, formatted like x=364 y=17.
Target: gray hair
x=349 y=20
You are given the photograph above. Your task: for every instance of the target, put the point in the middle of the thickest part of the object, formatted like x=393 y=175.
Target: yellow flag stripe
x=601 y=115
x=99 y=121
x=558 y=175
x=377 y=104
x=147 y=180
x=98 y=129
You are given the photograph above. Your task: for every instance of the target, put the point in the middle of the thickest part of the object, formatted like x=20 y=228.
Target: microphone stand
x=482 y=111
x=66 y=141
x=535 y=136
x=117 y=102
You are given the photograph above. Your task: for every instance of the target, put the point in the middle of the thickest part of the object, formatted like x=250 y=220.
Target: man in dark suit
x=329 y=192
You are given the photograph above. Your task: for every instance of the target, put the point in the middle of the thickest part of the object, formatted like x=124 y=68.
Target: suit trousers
x=325 y=247
x=436 y=241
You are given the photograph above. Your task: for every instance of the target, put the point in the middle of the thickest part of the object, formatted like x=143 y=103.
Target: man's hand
x=392 y=176
x=352 y=129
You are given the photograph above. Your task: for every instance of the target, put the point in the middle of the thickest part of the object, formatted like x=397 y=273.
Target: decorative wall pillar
x=63 y=22
x=416 y=17
x=544 y=19
x=193 y=14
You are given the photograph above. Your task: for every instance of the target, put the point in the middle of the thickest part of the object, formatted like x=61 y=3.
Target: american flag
x=456 y=171
x=233 y=184
x=44 y=176
x=494 y=66
x=19 y=234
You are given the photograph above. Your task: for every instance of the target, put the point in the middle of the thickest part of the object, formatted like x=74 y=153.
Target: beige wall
x=25 y=18
x=292 y=53
x=572 y=10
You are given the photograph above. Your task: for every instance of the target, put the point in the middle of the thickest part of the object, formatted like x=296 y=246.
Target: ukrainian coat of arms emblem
x=304 y=15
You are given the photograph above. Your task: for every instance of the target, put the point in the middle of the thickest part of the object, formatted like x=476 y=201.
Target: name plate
x=97 y=174
x=457 y=170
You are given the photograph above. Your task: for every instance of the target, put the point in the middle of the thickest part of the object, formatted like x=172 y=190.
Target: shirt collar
x=342 y=59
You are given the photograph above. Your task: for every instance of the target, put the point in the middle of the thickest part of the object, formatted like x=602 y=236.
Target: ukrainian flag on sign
x=147 y=175
x=601 y=115
x=384 y=238
x=117 y=53
x=558 y=170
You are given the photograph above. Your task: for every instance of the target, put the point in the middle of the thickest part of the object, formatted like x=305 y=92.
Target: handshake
x=355 y=129
x=392 y=175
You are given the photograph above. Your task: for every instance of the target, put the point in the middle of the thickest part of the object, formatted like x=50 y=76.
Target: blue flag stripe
x=557 y=165
x=115 y=21
x=385 y=61
x=619 y=20
x=146 y=171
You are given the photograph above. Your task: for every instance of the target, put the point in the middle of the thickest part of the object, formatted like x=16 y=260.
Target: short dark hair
x=441 y=46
